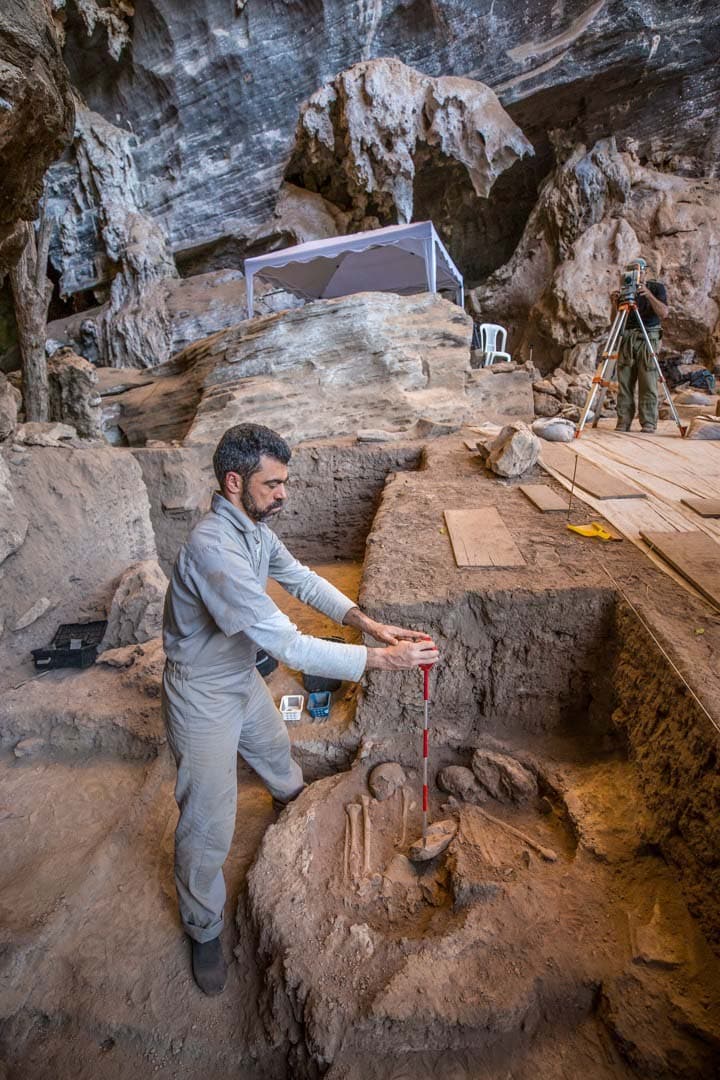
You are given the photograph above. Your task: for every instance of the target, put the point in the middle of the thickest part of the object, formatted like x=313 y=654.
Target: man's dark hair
x=241 y=448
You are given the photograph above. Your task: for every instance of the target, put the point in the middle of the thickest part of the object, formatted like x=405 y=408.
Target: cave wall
x=212 y=95
x=36 y=114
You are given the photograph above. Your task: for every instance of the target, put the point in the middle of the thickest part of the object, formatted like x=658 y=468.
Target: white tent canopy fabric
x=400 y=258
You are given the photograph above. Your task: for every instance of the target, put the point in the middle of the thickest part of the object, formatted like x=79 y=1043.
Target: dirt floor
x=94 y=967
x=504 y=965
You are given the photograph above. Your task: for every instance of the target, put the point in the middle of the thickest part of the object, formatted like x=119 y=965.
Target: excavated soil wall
x=335 y=489
x=578 y=663
x=515 y=661
x=673 y=746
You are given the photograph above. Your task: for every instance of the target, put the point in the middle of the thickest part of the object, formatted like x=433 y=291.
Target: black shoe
x=622 y=426
x=280 y=804
x=648 y=429
x=209 y=967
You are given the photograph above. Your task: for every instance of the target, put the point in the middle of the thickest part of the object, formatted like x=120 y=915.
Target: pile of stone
x=563 y=393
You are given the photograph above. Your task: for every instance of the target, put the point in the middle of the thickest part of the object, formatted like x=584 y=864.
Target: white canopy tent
x=400 y=258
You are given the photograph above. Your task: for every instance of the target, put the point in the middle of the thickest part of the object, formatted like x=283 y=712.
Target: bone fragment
x=346 y=851
x=546 y=853
x=365 y=799
x=353 y=812
x=405 y=801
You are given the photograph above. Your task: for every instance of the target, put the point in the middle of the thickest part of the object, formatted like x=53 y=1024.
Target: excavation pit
x=564 y=921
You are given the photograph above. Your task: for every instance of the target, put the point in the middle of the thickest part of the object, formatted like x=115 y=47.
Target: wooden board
x=544 y=497
x=708 y=508
x=588 y=477
x=694 y=555
x=471 y=444
x=480 y=537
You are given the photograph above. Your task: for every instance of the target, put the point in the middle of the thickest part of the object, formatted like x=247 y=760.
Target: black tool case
x=74 y=645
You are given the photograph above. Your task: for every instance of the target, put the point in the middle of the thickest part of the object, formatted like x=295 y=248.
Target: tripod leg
x=611 y=376
x=661 y=377
x=607 y=362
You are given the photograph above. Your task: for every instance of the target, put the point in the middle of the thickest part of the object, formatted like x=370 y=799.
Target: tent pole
x=430 y=270
x=249 y=295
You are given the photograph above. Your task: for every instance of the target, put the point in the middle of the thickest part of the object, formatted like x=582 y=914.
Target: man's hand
x=390 y=635
x=404 y=655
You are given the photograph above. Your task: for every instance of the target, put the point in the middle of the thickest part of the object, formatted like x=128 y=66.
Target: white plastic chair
x=489 y=334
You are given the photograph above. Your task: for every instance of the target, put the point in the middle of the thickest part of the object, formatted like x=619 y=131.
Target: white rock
x=28 y=747
x=554 y=429
x=514 y=451
x=33 y=613
x=137 y=606
x=36 y=433
x=702 y=427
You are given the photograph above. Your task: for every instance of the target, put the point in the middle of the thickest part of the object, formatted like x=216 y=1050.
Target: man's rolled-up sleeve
x=280 y=637
x=306 y=585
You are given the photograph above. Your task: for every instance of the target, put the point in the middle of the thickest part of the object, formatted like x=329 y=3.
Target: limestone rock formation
x=137 y=606
x=97 y=199
x=74 y=400
x=194 y=307
x=514 y=450
x=13 y=523
x=10 y=401
x=361 y=135
x=36 y=113
x=599 y=210
x=84 y=525
x=213 y=95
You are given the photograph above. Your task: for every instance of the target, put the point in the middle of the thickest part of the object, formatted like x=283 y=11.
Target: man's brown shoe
x=209 y=967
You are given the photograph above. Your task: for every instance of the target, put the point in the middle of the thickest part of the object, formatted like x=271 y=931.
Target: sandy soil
x=94 y=967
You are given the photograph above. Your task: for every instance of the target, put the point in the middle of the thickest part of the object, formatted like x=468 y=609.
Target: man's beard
x=252 y=509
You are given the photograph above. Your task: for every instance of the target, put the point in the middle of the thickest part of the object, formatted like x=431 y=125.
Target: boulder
x=330 y=368
x=554 y=429
x=503 y=777
x=37 y=433
x=73 y=393
x=704 y=427
x=546 y=404
x=137 y=606
x=514 y=451
x=599 y=209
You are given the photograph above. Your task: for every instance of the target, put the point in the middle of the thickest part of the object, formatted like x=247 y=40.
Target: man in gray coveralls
x=215 y=703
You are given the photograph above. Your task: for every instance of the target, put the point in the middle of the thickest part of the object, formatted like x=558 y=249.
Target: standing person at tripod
x=635 y=364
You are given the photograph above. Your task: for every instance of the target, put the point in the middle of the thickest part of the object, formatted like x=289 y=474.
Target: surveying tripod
x=608 y=363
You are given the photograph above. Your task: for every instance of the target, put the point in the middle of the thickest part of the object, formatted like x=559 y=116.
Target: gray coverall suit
x=215 y=703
